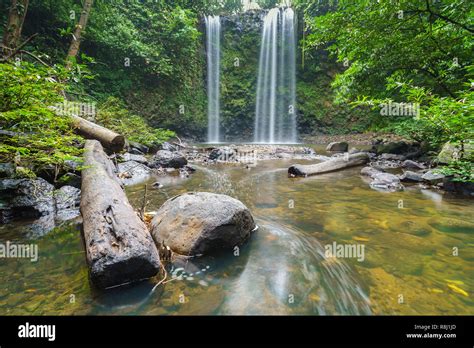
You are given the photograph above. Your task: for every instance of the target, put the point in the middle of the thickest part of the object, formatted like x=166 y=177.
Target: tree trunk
x=119 y=247
x=80 y=27
x=329 y=165
x=109 y=139
x=14 y=25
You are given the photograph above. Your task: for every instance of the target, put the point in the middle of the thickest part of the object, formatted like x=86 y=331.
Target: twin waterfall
x=213 y=47
x=275 y=112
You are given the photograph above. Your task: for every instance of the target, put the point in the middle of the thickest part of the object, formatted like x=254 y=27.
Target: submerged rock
x=340 y=146
x=133 y=173
x=201 y=223
x=168 y=159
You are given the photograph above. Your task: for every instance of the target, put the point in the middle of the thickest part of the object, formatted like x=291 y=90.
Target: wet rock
x=137 y=148
x=26 y=198
x=456 y=187
x=412 y=165
x=202 y=223
x=432 y=177
x=169 y=147
x=71 y=179
x=133 y=173
x=133 y=157
x=67 y=199
x=369 y=171
x=409 y=176
x=168 y=159
x=386 y=182
x=340 y=146
x=222 y=154
x=7 y=170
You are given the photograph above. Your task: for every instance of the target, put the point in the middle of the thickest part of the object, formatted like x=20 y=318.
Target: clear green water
x=409 y=266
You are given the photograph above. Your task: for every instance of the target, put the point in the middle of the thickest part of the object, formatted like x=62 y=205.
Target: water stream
x=408 y=267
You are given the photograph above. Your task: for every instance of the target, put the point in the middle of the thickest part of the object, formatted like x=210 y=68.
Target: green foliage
x=113 y=115
x=461 y=171
x=33 y=136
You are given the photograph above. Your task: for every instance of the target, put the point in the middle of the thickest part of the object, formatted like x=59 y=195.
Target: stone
x=397 y=148
x=412 y=165
x=409 y=176
x=451 y=151
x=132 y=173
x=137 y=148
x=133 y=157
x=432 y=177
x=68 y=199
x=340 y=146
x=7 y=170
x=202 y=223
x=168 y=159
x=369 y=171
x=27 y=198
x=386 y=182
x=222 y=154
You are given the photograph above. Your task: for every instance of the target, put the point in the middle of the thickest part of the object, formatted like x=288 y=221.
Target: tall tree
x=16 y=17
x=78 y=31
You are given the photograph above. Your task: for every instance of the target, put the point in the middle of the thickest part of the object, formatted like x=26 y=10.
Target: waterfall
x=275 y=113
x=213 y=47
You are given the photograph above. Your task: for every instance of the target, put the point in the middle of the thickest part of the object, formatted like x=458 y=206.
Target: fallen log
x=119 y=247
x=329 y=165
x=109 y=139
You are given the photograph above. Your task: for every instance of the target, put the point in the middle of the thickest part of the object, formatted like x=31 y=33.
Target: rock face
x=340 y=146
x=25 y=198
x=201 y=223
x=133 y=173
x=168 y=159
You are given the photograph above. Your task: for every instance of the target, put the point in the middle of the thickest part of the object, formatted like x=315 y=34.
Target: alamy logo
x=345 y=251
x=399 y=109
x=37 y=331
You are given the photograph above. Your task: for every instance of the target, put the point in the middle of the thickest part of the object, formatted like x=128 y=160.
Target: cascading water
x=275 y=114
x=213 y=46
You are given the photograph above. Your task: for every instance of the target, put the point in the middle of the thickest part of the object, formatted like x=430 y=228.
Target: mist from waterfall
x=213 y=48
x=275 y=113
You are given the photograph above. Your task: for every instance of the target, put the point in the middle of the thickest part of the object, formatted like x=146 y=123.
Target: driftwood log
x=119 y=247
x=109 y=139
x=329 y=165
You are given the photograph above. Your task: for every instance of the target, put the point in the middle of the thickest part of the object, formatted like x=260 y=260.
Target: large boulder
x=201 y=223
x=451 y=151
x=133 y=173
x=168 y=159
x=339 y=146
x=26 y=198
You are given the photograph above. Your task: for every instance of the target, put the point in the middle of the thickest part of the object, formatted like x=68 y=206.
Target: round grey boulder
x=201 y=223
